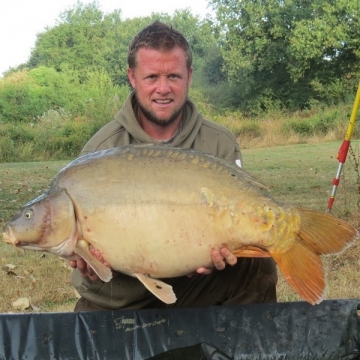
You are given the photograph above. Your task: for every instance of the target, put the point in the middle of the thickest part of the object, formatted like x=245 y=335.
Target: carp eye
x=28 y=213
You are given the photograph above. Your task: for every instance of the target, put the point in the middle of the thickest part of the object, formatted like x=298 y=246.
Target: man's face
x=161 y=82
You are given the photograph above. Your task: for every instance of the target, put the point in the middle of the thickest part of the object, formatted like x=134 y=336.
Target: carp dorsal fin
x=160 y=289
x=101 y=270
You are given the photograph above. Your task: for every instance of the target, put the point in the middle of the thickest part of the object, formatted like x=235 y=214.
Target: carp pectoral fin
x=250 y=251
x=303 y=270
x=102 y=271
x=160 y=289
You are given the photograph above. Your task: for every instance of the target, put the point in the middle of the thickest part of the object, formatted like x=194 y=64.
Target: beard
x=156 y=120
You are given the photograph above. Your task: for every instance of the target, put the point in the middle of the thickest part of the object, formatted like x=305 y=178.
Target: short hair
x=158 y=36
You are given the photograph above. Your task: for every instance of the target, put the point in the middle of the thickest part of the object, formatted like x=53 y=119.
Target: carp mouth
x=61 y=249
x=8 y=238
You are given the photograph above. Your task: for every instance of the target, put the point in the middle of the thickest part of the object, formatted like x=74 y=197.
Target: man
x=159 y=111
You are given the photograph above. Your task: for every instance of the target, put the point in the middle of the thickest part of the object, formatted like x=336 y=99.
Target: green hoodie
x=197 y=133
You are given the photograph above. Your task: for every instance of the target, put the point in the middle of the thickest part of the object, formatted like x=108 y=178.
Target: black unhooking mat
x=298 y=330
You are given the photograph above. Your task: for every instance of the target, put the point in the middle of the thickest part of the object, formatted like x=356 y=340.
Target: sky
x=22 y=20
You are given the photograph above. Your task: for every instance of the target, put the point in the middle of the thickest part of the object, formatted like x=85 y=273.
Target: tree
x=81 y=39
x=86 y=38
x=25 y=95
x=326 y=47
x=283 y=49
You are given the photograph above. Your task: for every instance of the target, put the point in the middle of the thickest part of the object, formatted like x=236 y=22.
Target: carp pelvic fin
x=161 y=290
x=251 y=251
x=102 y=271
x=320 y=233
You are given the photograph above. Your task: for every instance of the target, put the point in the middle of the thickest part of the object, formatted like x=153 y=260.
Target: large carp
x=157 y=212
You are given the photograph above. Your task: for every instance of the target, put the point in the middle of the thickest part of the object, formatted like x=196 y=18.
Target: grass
x=42 y=278
x=300 y=174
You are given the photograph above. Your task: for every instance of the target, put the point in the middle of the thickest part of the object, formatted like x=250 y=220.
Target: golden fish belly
x=163 y=241
x=168 y=241
x=168 y=238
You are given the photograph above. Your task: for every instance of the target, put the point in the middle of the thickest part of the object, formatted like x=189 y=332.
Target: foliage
x=81 y=40
x=290 y=51
x=54 y=114
x=250 y=130
x=26 y=95
x=60 y=135
x=256 y=60
x=99 y=98
x=85 y=39
x=319 y=124
x=302 y=128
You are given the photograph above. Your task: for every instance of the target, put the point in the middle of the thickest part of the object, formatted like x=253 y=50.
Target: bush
x=250 y=130
x=16 y=142
x=17 y=134
x=26 y=95
x=48 y=114
x=7 y=150
x=60 y=135
x=302 y=128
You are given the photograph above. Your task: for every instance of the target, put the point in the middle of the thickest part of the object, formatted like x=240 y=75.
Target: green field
x=303 y=174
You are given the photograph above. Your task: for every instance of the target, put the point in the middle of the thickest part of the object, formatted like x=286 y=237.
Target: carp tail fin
x=161 y=290
x=325 y=233
x=303 y=270
x=320 y=233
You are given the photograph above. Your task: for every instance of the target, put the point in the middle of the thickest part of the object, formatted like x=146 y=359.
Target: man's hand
x=220 y=259
x=84 y=268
